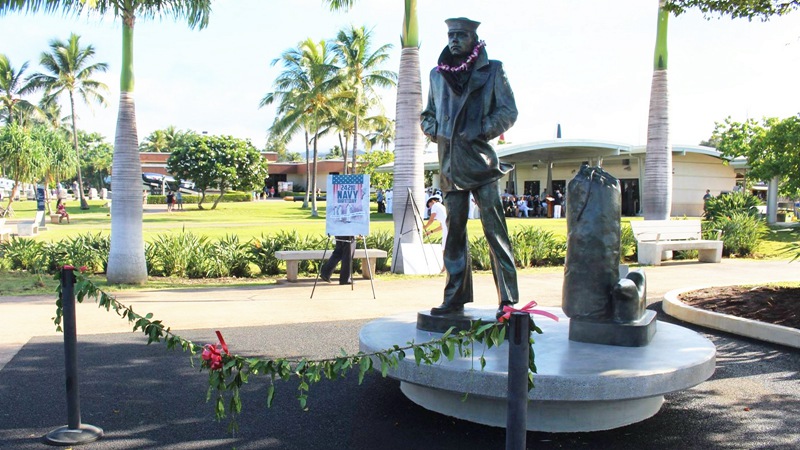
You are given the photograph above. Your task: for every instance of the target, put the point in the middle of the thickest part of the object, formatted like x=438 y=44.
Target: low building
x=694 y=169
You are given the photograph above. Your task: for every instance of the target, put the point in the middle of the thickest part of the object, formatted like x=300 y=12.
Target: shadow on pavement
x=147 y=397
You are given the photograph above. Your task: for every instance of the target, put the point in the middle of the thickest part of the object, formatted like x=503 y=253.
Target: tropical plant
x=229 y=257
x=51 y=115
x=98 y=158
x=657 y=196
x=155 y=142
x=24 y=254
x=308 y=93
x=218 y=162
x=728 y=204
x=177 y=254
x=381 y=134
x=792 y=249
x=536 y=247
x=69 y=71
x=382 y=240
x=12 y=88
x=62 y=162
x=166 y=140
x=23 y=157
x=126 y=263
x=627 y=243
x=85 y=250
x=362 y=72
x=741 y=233
x=479 y=254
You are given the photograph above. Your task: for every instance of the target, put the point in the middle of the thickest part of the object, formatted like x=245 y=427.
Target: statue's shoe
x=500 y=311
x=446 y=308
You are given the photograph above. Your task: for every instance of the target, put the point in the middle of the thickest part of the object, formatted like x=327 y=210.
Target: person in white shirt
x=438 y=214
x=522 y=207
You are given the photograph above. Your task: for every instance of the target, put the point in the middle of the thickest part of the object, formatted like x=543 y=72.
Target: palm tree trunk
x=126 y=262
x=657 y=201
x=314 y=212
x=355 y=135
x=409 y=145
x=84 y=204
x=308 y=173
x=342 y=145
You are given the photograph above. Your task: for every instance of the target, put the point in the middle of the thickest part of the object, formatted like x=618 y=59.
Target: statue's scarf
x=457 y=79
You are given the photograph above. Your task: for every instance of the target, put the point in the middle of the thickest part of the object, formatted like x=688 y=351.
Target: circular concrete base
x=579 y=386
x=550 y=416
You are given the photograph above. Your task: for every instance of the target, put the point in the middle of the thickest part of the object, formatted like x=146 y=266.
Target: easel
x=417 y=220
x=352 y=278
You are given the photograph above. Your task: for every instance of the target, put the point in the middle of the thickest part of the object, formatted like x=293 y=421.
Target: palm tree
x=51 y=115
x=410 y=143
x=157 y=142
x=11 y=91
x=282 y=130
x=381 y=132
x=126 y=263
x=69 y=71
x=362 y=72
x=657 y=198
x=62 y=162
x=164 y=141
x=308 y=90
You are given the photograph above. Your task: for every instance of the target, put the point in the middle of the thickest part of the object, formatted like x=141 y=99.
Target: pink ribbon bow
x=212 y=355
x=525 y=309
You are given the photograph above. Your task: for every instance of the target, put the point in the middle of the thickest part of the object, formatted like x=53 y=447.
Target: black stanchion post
x=518 y=352
x=75 y=433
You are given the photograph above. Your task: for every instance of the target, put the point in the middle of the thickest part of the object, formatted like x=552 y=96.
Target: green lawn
x=251 y=219
x=246 y=219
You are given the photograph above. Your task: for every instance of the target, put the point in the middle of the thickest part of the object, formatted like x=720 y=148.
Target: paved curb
x=767 y=332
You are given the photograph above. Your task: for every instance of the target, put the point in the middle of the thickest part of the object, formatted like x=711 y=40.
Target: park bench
x=654 y=237
x=5 y=232
x=31 y=228
x=293 y=258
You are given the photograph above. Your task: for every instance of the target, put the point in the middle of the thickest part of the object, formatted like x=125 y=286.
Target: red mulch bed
x=771 y=304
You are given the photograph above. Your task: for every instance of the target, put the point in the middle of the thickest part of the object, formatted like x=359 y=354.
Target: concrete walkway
x=287 y=303
x=147 y=397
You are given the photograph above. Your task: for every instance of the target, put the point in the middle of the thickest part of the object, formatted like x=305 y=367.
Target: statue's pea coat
x=462 y=124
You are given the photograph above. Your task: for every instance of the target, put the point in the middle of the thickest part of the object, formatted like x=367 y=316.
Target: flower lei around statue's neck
x=467 y=62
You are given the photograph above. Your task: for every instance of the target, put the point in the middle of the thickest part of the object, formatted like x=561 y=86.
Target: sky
x=584 y=64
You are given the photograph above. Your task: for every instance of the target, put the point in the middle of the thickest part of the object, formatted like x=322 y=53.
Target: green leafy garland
x=228 y=372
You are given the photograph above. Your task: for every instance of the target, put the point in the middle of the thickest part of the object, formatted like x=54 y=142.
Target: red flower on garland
x=212 y=355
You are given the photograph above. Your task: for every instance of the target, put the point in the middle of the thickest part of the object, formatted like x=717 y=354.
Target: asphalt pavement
x=147 y=397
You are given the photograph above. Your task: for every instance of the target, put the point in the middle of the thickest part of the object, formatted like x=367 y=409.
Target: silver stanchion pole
x=74 y=433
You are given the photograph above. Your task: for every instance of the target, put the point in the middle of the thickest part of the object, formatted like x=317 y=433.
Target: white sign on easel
x=347 y=205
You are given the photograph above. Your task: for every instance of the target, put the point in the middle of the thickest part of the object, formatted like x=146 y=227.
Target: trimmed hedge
x=229 y=197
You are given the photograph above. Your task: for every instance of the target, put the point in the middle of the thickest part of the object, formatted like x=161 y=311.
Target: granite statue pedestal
x=579 y=387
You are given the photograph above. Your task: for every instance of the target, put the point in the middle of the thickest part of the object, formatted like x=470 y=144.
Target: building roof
x=573 y=150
